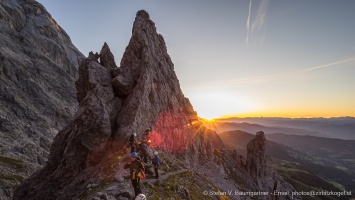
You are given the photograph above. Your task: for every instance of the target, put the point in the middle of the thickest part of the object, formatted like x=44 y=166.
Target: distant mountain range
x=336 y=150
x=220 y=127
x=341 y=128
x=305 y=165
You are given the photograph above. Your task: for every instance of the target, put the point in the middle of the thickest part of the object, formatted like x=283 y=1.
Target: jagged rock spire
x=256 y=158
x=82 y=144
x=147 y=79
x=106 y=57
x=145 y=92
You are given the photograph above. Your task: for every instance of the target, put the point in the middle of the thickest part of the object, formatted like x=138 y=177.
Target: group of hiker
x=139 y=164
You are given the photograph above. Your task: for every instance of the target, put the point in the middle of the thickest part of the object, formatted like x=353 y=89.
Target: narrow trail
x=151 y=178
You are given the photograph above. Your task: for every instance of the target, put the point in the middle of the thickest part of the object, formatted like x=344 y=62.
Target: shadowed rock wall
x=38 y=68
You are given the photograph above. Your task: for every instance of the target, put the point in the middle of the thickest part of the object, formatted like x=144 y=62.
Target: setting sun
x=215 y=104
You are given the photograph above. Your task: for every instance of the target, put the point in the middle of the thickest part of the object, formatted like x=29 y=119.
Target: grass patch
x=288 y=169
x=337 y=185
x=12 y=177
x=304 y=178
x=342 y=168
x=11 y=161
x=327 y=150
x=89 y=192
x=349 y=160
x=171 y=187
x=160 y=190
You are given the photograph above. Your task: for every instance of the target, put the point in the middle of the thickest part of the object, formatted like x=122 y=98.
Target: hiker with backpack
x=143 y=150
x=156 y=164
x=137 y=173
x=147 y=136
x=132 y=142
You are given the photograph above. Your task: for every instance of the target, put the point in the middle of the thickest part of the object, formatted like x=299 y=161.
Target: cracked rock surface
x=38 y=68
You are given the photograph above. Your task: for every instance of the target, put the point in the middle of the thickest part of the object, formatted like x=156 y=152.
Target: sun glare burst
x=215 y=104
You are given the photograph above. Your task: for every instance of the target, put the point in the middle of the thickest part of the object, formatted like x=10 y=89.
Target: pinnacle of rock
x=256 y=157
x=106 y=57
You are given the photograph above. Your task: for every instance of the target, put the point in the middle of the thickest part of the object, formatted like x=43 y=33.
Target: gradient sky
x=237 y=58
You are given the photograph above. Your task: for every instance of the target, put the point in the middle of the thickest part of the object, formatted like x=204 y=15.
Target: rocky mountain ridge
x=303 y=170
x=87 y=156
x=38 y=68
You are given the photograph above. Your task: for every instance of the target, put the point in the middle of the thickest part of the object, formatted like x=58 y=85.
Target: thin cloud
x=225 y=84
x=328 y=65
x=258 y=21
x=261 y=14
x=248 y=24
x=266 y=78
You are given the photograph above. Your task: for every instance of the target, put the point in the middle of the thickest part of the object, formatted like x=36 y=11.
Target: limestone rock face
x=256 y=158
x=146 y=79
x=38 y=67
x=106 y=57
x=82 y=144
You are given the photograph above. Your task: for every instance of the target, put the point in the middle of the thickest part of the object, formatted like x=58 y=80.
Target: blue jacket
x=156 y=161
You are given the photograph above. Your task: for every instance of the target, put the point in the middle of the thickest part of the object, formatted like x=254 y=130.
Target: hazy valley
x=307 y=162
x=337 y=127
